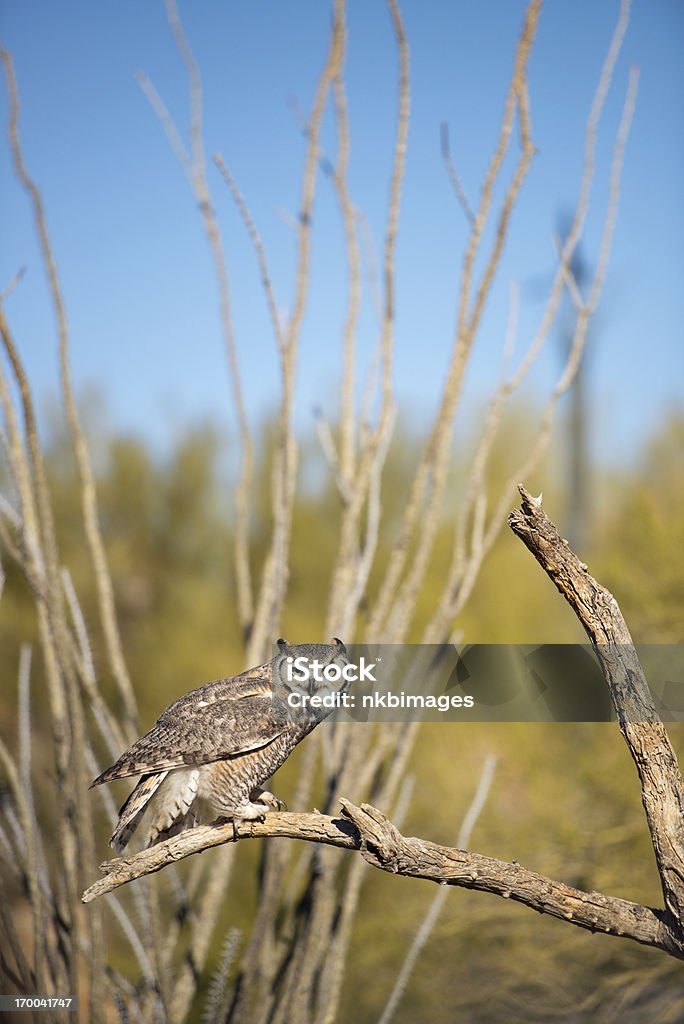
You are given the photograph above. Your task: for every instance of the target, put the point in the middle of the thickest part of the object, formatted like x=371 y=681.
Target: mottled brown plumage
x=217 y=745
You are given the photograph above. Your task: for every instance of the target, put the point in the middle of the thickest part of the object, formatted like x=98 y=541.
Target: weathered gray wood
x=662 y=792
x=368 y=831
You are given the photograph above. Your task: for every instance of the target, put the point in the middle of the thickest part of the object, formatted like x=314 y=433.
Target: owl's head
x=304 y=671
x=312 y=658
x=325 y=653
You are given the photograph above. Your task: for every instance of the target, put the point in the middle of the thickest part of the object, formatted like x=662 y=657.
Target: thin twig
x=12 y=284
x=454 y=179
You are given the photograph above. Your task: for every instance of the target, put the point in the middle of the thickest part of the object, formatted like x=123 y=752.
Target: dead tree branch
x=368 y=831
x=662 y=792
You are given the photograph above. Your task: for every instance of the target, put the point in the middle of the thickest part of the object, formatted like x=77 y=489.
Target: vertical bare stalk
x=194 y=165
x=347 y=407
x=395 y=599
x=341 y=609
x=275 y=574
x=438 y=900
x=105 y=591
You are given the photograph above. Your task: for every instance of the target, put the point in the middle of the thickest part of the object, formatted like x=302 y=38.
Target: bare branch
x=396 y=598
x=662 y=791
x=168 y=124
x=276 y=568
x=105 y=592
x=614 y=188
x=327 y=443
x=453 y=174
x=464 y=568
x=194 y=166
x=259 y=249
x=344 y=573
x=368 y=831
x=14 y=281
x=349 y=221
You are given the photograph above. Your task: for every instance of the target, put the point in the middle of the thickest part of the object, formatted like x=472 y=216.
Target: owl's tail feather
x=174 y=828
x=178 y=811
x=134 y=808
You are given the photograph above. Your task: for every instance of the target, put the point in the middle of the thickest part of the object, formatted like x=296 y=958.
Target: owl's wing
x=218 y=720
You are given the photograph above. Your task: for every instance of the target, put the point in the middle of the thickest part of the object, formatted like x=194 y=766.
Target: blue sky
x=135 y=266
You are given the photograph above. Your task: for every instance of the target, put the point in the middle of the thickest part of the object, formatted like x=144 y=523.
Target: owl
x=214 y=748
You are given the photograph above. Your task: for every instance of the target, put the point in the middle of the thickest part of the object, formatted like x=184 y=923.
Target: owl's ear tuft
x=282 y=643
x=336 y=642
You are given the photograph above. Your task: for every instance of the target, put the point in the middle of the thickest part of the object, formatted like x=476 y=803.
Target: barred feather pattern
x=134 y=809
x=210 y=752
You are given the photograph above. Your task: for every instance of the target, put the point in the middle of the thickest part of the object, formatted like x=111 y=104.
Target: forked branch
x=367 y=830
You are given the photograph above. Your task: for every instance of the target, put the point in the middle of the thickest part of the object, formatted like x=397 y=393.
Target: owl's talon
x=270 y=801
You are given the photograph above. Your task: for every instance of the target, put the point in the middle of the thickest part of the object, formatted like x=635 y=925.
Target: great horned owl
x=218 y=744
